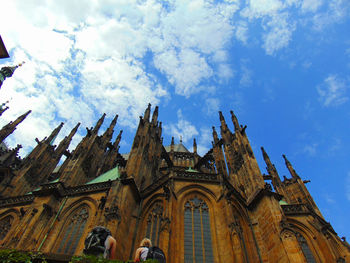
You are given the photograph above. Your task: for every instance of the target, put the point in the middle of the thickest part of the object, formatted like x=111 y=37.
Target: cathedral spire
x=107 y=136
x=172 y=144
x=271 y=169
x=117 y=140
x=62 y=147
x=194 y=145
x=7 y=72
x=235 y=121
x=147 y=113
x=290 y=167
x=215 y=136
x=266 y=158
x=54 y=134
x=99 y=124
x=223 y=122
x=9 y=158
x=11 y=126
x=155 y=116
x=3 y=108
x=72 y=133
x=160 y=129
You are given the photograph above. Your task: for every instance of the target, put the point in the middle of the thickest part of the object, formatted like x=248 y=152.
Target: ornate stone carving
x=16 y=200
x=112 y=213
x=196 y=176
x=268 y=187
x=165 y=224
x=235 y=228
x=48 y=209
x=22 y=211
x=166 y=192
x=295 y=209
x=102 y=203
x=34 y=211
x=237 y=161
x=287 y=234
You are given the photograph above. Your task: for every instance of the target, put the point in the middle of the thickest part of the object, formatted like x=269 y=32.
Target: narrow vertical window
x=305 y=248
x=5 y=226
x=153 y=224
x=73 y=231
x=197 y=236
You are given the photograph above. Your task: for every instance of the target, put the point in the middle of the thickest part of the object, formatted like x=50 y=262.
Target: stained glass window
x=5 y=226
x=72 y=231
x=153 y=224
x=305 y=248
x=197 y=236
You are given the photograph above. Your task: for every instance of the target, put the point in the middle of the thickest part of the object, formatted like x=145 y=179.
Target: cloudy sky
x=282 y=66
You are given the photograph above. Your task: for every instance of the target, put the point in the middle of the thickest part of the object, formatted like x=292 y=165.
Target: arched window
x=72 y=231
x=305 y=248
x=153 y=224
x=197 y=241
x=5 y=226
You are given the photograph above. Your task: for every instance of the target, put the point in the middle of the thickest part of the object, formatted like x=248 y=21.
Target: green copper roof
x=112 y=174
x=191 y=170
x=283 y=202
x=177 y=148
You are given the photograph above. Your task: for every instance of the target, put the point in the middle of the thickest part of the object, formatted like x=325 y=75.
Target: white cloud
x=183 y=128
x=310 y=149
x=85 y=57
x=311 y=5
x=203 y=144
x=89 y=57
x=242 y=31
x=275 y=22
x=246 y=74
x=225 y=72
x=280 y=33
x=212 y=106
x=185 y=70
x=260 y=8
x=329 y=199
x=332 y=92
x=269 y=94
x=335 y=12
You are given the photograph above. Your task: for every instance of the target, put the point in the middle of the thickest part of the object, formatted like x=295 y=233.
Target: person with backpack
x=156 y=253
x=147 y=251
x=142 y=251
x=100 y=243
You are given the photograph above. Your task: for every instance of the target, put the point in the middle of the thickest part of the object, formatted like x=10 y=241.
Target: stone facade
x=214 y=208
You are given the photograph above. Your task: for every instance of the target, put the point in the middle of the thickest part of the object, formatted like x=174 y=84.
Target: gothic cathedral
x=214 y=208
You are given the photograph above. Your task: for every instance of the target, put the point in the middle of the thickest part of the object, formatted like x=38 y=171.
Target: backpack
x=157 y=254
x=95 y=241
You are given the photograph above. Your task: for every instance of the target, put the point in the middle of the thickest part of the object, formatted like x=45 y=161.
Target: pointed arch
x=5 y=226
x=72 y=230
x=197 y=234
x=197 y=224
x=196 y=187
x=8 y=219
x=302 y=234
x=152 y=218
x=305 y=248
x=153 y=222
x=73 y=227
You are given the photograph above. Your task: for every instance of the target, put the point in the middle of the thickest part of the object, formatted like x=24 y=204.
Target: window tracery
x=197 y=236
x=154 y=220
x=305 y=248
x=72 y=231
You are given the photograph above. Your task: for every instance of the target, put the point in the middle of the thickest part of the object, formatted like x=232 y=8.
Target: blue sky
x=282 y=66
